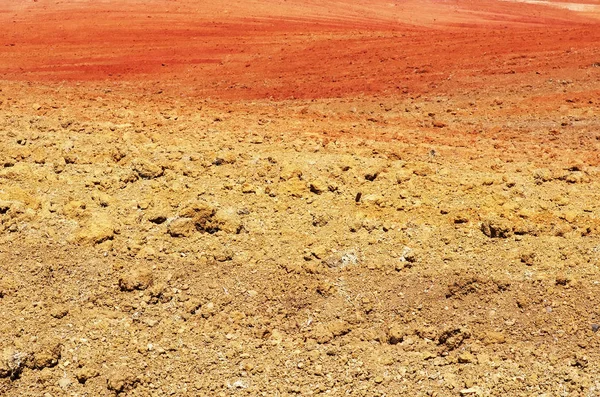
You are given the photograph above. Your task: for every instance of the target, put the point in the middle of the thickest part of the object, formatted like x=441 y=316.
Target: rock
x=396 y=334
x=121 y=381
x=102 y=199
x=46 y=356
x=181 y=227
x=496 y=228
x=563 y=279
x=146 y=169
x=318 y=187
x=39 y=155
x=542 y=175
x=473 y=391
x=12 y=363
x=59 y=311
x=439 y=124
x=97 y=230
x=577 y=177
x=192 y=305
x=570 y=216
x=248 y=188
x=373 y=199
x=461 y=217
x=157 y=216
x=403 y=176
x=342 y=259
x=137 y=279
x=147 y=252
x=290 y=172
x=64 y=382
x=7 y=286
x=372 y=174
x=320 y=220
x=493 y=337
x=208 y=310
x=85 y=373
x=225 y=220
x=408 y=256
x=467 y=358
x=5 y=206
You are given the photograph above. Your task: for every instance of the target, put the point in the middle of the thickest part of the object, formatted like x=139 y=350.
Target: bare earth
x=278 y=198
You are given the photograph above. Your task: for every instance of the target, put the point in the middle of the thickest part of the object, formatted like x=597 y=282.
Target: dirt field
x=301 y=197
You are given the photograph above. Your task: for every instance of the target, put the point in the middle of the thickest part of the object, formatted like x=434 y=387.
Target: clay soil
x=301 y=197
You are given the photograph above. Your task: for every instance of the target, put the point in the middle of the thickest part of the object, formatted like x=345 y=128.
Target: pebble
x=473 y=391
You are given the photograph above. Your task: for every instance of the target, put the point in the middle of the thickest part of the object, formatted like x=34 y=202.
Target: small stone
x=595 y=327
x=439 y=124
x=473 y=391
x=492 y=337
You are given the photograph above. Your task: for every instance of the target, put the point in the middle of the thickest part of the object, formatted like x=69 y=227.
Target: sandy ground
x=277 y=198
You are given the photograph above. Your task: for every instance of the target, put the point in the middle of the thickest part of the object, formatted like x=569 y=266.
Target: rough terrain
x=277 y=198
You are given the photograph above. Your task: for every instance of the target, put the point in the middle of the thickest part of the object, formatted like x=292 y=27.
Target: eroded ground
x=299 y=198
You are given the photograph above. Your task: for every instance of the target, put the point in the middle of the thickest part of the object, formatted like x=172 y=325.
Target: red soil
x=294 y=49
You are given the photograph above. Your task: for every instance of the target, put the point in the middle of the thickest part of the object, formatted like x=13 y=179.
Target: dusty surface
x=299 y=198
